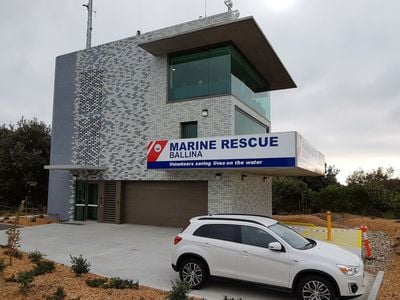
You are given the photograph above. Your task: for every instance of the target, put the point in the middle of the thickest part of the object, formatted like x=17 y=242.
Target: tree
x=317 y=183
x=24 y=150
x=289 y=195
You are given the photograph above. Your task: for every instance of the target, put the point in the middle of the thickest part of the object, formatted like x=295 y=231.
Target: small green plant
x=96 y=282
x=35 y=256
x=113 y=283
x=24 y=279
x=59 y=294
x=2 y=265
x=179 y=290
x=79 y=265
x=33 y=219
x=226 y=298
x=43 y=267
x=14 y=235
x=6 y=218
x=41 y=216
x=118 y=283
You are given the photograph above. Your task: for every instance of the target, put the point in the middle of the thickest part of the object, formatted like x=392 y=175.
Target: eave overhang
x=244 y=33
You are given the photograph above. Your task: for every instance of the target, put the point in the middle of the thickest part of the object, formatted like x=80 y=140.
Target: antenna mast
x=89 y=7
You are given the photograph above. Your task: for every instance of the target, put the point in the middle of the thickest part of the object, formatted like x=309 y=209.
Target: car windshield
x=291 y=237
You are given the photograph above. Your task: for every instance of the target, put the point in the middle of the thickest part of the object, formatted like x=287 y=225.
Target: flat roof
x=244 y=33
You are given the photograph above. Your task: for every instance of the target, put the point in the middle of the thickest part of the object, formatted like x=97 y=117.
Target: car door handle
x=245 y=253
x=206 y=245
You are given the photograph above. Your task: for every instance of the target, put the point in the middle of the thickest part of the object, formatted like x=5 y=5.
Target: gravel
x=381 y=249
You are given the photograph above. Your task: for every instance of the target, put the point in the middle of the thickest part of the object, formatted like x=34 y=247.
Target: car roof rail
x=232 y=219
x=241 y=214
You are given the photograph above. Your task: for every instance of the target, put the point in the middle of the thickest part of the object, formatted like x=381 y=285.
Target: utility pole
x=89 y=7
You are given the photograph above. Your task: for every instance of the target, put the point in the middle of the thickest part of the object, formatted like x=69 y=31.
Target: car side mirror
x=275 y=246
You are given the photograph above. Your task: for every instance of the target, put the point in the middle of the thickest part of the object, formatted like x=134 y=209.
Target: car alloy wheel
x=193 y=273
x=315 y=287
x=316 y=290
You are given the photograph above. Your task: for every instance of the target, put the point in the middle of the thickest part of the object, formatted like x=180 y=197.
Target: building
x=162 y=126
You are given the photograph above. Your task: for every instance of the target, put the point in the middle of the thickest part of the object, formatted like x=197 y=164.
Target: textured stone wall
x=129 y=107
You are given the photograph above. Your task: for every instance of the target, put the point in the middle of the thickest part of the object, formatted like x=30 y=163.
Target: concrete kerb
x=376 y=285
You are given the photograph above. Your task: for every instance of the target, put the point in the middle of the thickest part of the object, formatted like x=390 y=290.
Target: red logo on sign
x=154 y=150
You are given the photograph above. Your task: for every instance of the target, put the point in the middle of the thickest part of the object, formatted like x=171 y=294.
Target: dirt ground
x=75 y=287
x=390 y=288
x=29 y=221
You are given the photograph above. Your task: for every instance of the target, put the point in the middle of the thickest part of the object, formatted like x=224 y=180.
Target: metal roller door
x=164 y=203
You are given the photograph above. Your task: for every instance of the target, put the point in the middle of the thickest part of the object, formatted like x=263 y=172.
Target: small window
x=189 y=130
x=223 y=232
x=255 y=237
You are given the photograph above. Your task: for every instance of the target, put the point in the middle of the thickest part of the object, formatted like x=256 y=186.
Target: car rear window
x=223 y=232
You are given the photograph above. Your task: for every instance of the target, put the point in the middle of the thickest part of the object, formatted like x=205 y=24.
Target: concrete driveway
x=129 y=251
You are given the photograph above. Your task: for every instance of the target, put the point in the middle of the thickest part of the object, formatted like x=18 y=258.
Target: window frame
x=183 y=124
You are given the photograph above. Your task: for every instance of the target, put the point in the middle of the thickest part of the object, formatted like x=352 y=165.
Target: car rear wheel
x=315 y=288
x=193 y=272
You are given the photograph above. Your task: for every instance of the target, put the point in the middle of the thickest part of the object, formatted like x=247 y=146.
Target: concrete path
x=129 y=251
x=4 y=226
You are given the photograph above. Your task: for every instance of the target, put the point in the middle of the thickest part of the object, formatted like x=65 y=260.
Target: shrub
x=96 y=282
x=118 y=283
x=13 y=241
x=35 y=256
x=179 y=290
x=6 y=218
x=59 y=294
x=33 y=219
x=79 y=265
x=112 y=283
x=2 y=265
x=43 y=267
x=24 y=279
x=41 y=216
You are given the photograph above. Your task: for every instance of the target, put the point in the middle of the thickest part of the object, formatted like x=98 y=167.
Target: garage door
x=164 y=203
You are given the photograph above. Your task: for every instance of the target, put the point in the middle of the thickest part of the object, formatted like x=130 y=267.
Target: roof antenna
x=89 y=7
x=228 y=4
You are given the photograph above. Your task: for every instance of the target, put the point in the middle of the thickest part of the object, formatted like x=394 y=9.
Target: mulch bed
x=62 y=276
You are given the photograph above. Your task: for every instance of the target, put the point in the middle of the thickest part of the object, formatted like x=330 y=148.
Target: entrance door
x=86 y=201
x=92 y=200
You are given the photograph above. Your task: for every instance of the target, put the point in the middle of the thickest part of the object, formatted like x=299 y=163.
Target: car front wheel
x=193 y=272
x=315 y=288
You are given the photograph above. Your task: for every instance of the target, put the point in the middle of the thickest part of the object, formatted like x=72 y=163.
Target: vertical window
x=200 y=74
x=189 y=130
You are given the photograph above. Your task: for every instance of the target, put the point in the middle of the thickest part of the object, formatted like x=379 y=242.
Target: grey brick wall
x=132 y=108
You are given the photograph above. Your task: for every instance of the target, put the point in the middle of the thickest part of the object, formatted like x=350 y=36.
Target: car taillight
x=177 y=239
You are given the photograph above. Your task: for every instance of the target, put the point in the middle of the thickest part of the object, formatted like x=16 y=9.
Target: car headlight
x=348 y=270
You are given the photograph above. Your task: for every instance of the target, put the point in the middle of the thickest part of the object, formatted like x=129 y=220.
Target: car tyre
x=193 y=272
x=315 y=287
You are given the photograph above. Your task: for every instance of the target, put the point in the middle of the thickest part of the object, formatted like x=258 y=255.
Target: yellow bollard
x=329 y=225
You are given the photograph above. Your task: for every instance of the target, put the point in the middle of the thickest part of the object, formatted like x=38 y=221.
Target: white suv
x=261 y=250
